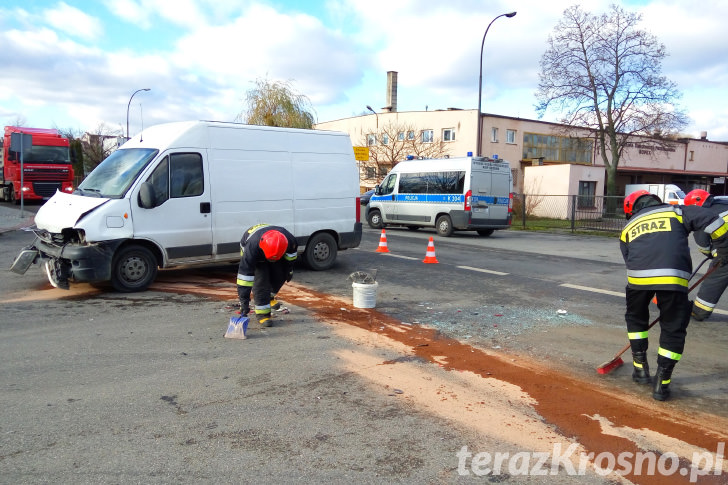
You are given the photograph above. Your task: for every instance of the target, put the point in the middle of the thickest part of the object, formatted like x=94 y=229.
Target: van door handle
x=205 y=208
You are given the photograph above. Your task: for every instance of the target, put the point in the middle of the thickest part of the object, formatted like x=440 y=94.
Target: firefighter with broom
x=267 y=254
x=715 y=284
x=654 y=245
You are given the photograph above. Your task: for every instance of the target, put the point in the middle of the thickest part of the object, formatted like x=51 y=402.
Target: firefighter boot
x=641 y=369
x=275 y=304
x=264 y=319
x=661 y=390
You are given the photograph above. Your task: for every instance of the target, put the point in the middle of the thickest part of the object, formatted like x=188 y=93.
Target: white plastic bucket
x=365 y=294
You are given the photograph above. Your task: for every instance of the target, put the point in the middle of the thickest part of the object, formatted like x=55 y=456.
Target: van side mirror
x=377 y=190
x=146 y=196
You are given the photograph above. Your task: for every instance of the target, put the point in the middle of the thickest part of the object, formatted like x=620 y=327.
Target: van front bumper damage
x=68 y=261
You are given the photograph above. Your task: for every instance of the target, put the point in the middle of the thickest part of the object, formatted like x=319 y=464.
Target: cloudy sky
x=74 y=64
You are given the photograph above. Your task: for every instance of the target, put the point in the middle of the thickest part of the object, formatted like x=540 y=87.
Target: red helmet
x=631 y=200
x=696 y=197
x=274 y=245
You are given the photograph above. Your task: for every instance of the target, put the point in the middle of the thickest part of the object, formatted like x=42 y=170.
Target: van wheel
x=320 y=252
x=485 y=232
x=133 y=269
x=374 y=218
x=444 y=225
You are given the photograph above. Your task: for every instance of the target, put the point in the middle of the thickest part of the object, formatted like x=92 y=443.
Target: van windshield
x=113 y=177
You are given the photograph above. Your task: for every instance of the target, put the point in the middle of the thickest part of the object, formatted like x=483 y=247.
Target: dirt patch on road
x=591 y=414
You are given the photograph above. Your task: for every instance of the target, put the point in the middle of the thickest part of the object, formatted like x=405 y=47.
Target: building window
x=561 y=149
x=385 y=139
x=410 y=135
x=511 y=136
x=448 y=134
x=371 y=139
x=494 y=135
x=692 y=155
x=400 y=136
x=427 y=136
x=587 y=192
x=371 y=172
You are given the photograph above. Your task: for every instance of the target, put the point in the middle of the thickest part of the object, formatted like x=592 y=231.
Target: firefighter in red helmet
x=267 y=254
x=654 y=244
x=717 y=281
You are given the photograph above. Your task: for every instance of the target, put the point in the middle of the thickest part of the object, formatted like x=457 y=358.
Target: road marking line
x=480 y=270
x=593 y=290
x=400 y=256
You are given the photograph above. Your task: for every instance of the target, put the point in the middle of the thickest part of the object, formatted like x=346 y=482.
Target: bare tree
x=394 y=142
x=275 y=103
x=98 y=145
x=75 y=146
x=603 y=73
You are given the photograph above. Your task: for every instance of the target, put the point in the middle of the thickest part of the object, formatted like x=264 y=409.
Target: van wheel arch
x=134 y=267
x=320 y=252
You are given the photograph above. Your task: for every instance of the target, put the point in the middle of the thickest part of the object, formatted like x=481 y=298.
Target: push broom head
x=609 y=366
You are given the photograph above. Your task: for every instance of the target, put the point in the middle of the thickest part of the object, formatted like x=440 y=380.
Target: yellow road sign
x=361 y=154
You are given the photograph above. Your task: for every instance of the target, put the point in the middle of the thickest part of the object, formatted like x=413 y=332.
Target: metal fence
x=569 y=212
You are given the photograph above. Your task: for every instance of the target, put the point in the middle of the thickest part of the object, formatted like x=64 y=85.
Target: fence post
x=523 y=210
x=573 y=213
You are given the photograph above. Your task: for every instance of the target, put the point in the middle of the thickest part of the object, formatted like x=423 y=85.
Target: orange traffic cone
x=430 y=256
x=383 y=243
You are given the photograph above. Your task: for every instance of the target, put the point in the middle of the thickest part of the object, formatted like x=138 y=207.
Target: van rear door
x=480 y=187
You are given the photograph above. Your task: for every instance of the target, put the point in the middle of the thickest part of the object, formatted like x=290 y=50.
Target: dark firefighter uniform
x=715 y=284
x=654 y=244
x=261 y=274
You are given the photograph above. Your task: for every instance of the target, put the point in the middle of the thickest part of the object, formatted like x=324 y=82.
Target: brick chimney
x=391 y=106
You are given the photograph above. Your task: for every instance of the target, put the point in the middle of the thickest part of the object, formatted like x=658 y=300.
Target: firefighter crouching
x=715 y=284
x=267 y=254
x=654 y=245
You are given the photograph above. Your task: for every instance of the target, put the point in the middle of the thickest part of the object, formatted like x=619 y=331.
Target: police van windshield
x=113 y=177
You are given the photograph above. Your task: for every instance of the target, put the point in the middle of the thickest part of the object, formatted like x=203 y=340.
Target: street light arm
x=127 y=109
x=375 y=114
x=480 y=79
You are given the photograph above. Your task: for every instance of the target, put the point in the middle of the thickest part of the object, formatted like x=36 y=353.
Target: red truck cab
x=46 y=165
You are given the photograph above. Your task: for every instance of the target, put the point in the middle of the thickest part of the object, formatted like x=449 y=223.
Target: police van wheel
x=375 y=219
x=133 y=269
x=444 y=225
x=320 y=252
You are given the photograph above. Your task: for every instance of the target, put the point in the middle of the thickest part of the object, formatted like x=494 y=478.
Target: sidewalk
x=10 y=219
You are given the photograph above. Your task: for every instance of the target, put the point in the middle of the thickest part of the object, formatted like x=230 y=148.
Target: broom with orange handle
x=617 y=361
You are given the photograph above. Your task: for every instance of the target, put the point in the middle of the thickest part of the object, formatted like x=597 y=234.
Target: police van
x=450 y=194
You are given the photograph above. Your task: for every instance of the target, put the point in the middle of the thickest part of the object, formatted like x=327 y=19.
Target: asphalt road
x=104 y=387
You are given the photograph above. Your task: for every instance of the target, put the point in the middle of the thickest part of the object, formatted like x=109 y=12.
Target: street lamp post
x=127 y=109
x=480 y=81
x=375 y=114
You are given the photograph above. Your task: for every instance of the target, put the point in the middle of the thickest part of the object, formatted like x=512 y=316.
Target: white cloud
x=131 y=11
x=73 y=21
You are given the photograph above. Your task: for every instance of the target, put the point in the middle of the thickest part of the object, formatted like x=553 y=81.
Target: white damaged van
x=184 y=193
x=449 y=194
